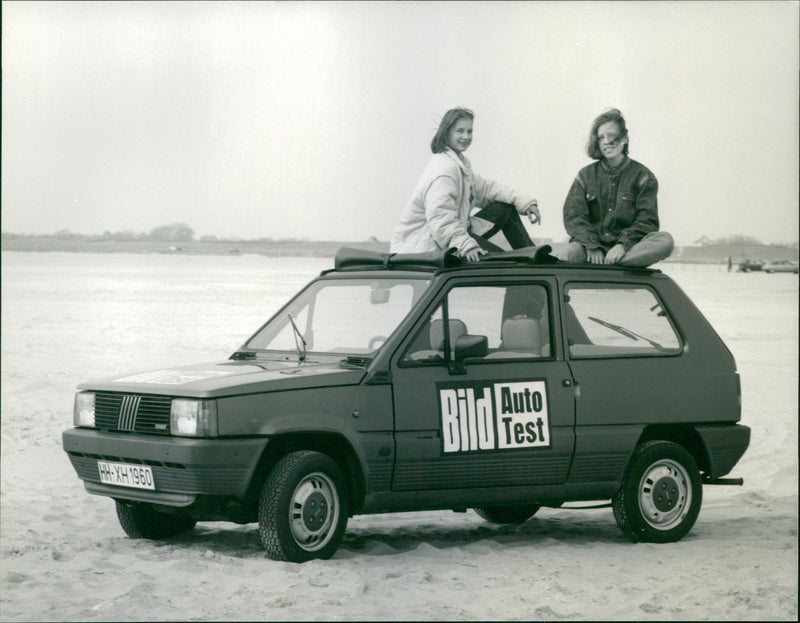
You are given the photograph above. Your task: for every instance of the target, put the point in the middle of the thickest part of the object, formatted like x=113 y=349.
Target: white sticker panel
x=494 y=416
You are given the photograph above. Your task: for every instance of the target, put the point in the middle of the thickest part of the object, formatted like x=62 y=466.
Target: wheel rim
x=665 y=494
x=314 y=511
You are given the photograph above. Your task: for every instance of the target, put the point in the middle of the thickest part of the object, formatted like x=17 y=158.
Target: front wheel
x=302 y=512
x=141 y=521
x=661 y=494
x=507 y=514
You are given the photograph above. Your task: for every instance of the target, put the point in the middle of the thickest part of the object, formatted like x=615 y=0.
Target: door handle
x=567 y=382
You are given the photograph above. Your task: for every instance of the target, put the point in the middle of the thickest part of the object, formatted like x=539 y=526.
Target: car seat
x=436 y=335
x=521 y=338
x=457 y=329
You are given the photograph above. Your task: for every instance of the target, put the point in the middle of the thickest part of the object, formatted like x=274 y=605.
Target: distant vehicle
x=420 y=382
x=781 y=266
x=750 y=265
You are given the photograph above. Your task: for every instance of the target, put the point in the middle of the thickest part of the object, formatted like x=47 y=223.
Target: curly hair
x=439 y=142
x=610 y=114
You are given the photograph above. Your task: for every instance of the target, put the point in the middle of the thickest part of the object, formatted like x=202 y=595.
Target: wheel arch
x=685 y=436
x=333 y=445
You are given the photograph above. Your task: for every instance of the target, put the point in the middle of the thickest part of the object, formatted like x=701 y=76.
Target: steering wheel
x=375 y=339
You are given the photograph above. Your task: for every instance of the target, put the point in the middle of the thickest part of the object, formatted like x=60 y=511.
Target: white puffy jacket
x=438 y=214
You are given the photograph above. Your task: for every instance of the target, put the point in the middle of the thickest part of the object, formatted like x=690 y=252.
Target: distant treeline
x=173 y=237
x=177 y=239
x=737 y=248
x=180 y=238
x=181 y=232
x=736 y=241
x=174 y=232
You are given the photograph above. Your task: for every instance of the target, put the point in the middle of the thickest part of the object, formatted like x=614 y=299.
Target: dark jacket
x=606 y=206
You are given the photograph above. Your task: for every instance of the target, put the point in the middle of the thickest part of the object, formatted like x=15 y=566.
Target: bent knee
x=665 y=240
x=575 y=253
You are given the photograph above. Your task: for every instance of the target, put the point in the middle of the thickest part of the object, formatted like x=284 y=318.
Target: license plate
x=126 y=475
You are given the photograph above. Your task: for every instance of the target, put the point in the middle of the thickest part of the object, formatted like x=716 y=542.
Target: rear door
x=507 y=417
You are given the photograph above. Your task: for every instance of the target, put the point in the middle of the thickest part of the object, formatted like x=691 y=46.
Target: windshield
x=351 y=316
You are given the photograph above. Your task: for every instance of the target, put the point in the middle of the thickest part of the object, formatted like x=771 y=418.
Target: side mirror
x=468 y=346
x=471 y=346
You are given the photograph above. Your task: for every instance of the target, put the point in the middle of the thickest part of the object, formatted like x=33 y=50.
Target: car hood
x=231 y=378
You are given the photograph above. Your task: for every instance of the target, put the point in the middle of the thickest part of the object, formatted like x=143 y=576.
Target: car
x=781 y=266
x=417 y=382
x=750 y=265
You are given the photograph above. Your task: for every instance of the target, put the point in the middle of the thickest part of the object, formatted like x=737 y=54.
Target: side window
x=617 y=321
x=513 y=318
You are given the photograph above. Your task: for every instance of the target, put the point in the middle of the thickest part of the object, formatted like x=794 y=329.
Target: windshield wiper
x=627 y=332
x=301 y=350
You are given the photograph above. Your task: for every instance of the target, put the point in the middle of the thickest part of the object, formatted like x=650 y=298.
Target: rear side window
x=617 y=321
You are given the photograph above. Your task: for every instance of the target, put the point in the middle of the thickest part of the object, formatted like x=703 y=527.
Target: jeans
x=654 y=247
x=505 y=218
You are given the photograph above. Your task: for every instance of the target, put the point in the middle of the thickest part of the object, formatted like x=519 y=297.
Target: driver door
x=507 y=416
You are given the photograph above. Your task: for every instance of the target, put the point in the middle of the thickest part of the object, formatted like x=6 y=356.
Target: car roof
x=350 y=259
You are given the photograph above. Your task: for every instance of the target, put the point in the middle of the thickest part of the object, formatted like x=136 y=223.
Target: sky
x=313 y=120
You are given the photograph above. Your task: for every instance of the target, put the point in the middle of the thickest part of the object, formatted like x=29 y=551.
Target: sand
x=69 y=317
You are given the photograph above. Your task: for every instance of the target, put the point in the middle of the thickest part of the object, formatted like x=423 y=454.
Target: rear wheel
x=302 y=512
x=140 y=520
x=661 y=494
x=508 y=514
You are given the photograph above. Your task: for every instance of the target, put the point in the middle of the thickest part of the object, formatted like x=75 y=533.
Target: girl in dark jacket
x=611 y=210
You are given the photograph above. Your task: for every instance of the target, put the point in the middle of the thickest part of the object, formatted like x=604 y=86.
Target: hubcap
x=665 y=494
x=314 y=511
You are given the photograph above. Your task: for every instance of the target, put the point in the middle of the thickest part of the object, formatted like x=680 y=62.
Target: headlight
x=193 y=418
x=83 y=411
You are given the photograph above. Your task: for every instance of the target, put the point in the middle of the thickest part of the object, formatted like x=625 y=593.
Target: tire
x=661 y=494
x=140 y=520
x=302 y=511
x=507 y=514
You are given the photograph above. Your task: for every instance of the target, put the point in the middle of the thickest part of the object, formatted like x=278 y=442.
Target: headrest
x=521 y=334
x=457 y=329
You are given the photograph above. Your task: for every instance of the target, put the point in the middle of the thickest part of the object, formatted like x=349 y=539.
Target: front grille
x=140 y=413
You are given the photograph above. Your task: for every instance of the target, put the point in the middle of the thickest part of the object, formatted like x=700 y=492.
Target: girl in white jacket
x=438 y=215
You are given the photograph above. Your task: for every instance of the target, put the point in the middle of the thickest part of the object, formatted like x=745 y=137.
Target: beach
x=70 y=317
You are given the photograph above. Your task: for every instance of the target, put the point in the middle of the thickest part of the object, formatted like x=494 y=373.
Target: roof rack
x=348 y=258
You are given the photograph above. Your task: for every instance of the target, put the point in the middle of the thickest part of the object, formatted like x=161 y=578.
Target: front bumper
x=183 y=469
